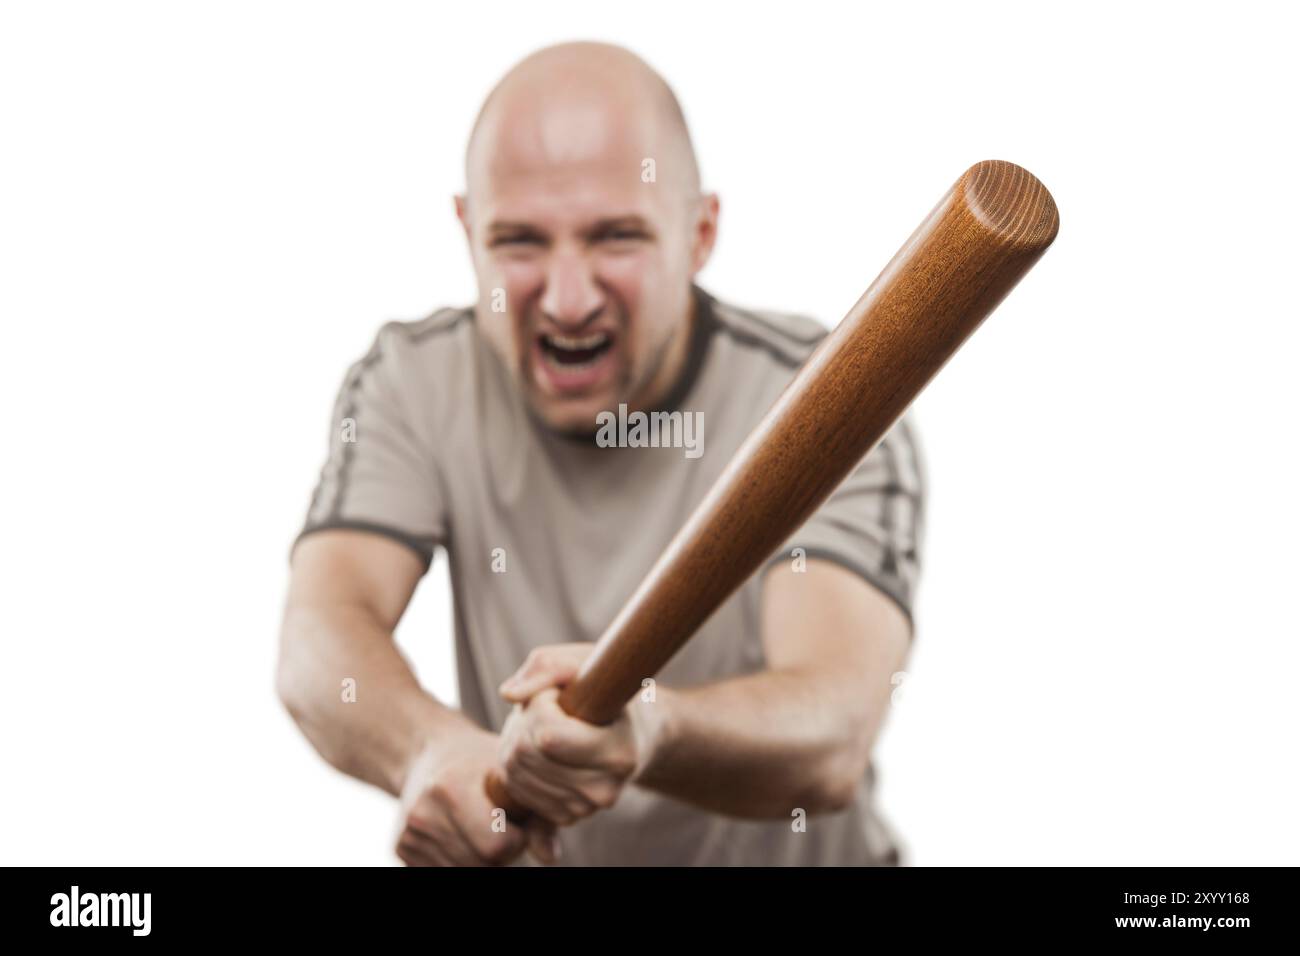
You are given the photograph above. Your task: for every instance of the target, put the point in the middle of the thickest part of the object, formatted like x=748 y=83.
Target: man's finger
x=492 y=848
x=557 y=805
x=416 y=849
x=563 y=739
x=543 y=842
x=549 y=666
x=436 y=825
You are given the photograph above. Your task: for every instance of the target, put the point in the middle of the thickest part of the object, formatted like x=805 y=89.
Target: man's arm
x=797 y=734
x=347 y=591
x=800 y=732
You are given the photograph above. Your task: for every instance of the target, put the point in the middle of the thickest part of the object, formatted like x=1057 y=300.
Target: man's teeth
x=554 y=361
x=572 y=353
x=574 y=344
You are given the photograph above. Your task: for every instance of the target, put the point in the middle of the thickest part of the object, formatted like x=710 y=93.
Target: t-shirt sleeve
x=380 y=474
x=872 y=524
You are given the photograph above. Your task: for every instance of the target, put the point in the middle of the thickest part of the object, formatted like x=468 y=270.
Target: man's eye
x=515 y=241
x=623 y=235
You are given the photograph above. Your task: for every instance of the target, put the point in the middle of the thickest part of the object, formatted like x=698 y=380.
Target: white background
x=207 y=210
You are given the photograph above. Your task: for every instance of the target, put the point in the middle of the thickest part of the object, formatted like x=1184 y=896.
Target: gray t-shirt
x=548 y=535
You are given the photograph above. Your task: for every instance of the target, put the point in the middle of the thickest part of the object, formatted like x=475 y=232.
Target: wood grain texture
x=977 y=243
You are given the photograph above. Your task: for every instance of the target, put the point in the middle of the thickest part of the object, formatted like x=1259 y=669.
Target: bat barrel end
x=1011 y=203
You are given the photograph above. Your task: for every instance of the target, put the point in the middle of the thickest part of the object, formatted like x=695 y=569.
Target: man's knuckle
x=438 y=792
x=514 y=759
x=499 y=851
x=558 y=815
x=548 y=742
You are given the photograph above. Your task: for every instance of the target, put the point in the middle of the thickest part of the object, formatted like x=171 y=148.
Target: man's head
x=587 y=226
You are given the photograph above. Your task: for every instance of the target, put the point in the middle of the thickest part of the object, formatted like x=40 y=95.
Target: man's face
x=584 y=269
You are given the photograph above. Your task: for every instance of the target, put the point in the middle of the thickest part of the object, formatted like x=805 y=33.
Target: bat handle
x=581 y=699
x=501 y=799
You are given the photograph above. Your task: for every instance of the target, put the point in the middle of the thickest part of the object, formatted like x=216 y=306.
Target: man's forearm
x=761 y=745
x=374 y=732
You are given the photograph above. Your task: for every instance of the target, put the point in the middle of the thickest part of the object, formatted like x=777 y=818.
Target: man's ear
x=462 y=212
x=705 y=231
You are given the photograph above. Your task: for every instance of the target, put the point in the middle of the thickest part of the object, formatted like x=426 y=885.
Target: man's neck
x=672 y=364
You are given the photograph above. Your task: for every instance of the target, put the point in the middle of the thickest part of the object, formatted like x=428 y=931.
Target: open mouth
x=572 y=353
x=574 y=365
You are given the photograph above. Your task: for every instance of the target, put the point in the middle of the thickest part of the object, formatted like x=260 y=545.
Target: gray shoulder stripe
x=440 y=322
x=444 y=320
x=754 y=341
x=332 y=459
x=760 y=319
x=350 y=411
x=888 y=561
x=918 y=470
x=806 y=340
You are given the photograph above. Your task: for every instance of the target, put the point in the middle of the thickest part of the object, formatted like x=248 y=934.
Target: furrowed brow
x=506 y=227
x=630 y=223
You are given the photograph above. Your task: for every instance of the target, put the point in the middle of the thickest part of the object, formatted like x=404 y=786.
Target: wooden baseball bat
x=981 y=238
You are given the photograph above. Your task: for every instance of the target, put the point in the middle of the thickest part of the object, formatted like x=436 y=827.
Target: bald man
x=488 y=431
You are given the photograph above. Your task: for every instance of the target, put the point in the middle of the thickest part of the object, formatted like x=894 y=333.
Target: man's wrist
x=654 y=727
x=436 y=729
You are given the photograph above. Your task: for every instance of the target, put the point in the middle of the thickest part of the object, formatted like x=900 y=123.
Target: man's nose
x=572 y=296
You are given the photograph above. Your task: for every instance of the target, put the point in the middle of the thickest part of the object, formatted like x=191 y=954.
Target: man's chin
x=575 y=417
